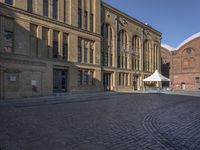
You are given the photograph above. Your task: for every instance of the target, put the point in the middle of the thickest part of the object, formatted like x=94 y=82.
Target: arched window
x=107 y=45
x=123 y=40
x=146 y=55
x=188 y=59
x=135 y=52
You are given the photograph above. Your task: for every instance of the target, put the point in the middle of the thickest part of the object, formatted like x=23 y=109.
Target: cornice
x=40 y=17
x=17 y=60
x=130 y=18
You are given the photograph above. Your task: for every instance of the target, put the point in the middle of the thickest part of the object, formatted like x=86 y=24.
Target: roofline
x=168 y=47
x=189 y=39
x=192 y=37
x=119 y=12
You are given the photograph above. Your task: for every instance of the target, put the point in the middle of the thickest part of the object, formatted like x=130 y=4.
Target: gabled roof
x=194 y=36
x=156 y=76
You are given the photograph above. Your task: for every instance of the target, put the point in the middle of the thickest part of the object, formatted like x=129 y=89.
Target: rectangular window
x=8 y=35
x=126 y=79
x=46 y=8
x=8 y=41
x=91 y=78
x=65 y=46
x=80 y=18
x=106 y=59
x=85 y=55
x=102 y=58
x=45 y=50
x=122 y=76
x=120 y=79
x=126 y=62
x=79 y=50
x=91 y=22
x=111 y=59
x=55 y=9
x=122 y=61
x=197 y=79
x=133 y=62
x=55 y=44
x=79 y=77
x=118 y=61
x=79 y=54
x=65 y=11
x=79 y=3
x=30 y=6
x=10 y=2
x=86 y=78
x=33 y=40
x=91 y=56
x=85 y=20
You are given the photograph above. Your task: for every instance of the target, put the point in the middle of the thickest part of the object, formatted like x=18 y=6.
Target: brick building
x=182 y=64
x=50 y=46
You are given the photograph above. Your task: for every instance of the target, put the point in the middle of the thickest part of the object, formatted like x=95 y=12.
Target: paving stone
x=101 y=121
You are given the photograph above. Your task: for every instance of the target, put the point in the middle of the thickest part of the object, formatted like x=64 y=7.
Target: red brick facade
x=184 y=64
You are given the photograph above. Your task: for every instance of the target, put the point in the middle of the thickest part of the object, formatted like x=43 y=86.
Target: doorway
x=183 y=86
x=107 y=81
x=135 y=83
x=59 y=80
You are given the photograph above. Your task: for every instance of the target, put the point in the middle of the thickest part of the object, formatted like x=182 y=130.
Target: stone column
x=151 y=57
x=61 y=10
x=115 y=44
x=60 y=45
x=108 y=48
x=83 y=13
x=142 y=50
x=39 y=37
x=88 y=52
x=88 y=17
x=50 y=9
x=50 y=49
x=83 y=47
x=39 y=7
x=159 y=56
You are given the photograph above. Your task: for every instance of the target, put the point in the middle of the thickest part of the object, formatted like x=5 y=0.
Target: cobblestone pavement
x=110 y=121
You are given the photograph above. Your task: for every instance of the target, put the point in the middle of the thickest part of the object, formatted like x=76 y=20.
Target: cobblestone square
x=101 y=121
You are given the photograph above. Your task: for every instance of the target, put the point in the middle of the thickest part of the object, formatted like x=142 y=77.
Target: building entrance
x=107 y=81
x=59 y=80
x=135 y=83
x=183 y=86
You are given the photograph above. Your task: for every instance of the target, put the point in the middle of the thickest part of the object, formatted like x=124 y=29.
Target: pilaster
x=39 y=36
x=39 y=7
x=61 y=10
x=142 y=50
x=88 y=52
x=60 y=45
x=50 y=43
x=82 y=52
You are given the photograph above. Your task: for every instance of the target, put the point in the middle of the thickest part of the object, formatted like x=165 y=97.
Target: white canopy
x=156 y=76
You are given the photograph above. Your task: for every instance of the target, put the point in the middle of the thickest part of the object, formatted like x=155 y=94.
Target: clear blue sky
x=176 y=19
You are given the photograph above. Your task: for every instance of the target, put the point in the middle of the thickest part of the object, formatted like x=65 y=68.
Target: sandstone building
x=50 y=46
x=181 y=64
